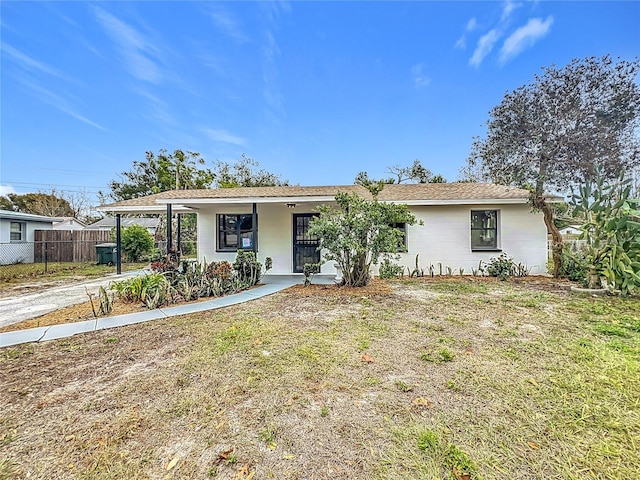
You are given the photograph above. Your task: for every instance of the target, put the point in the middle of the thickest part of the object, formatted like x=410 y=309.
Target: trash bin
x=106 y=253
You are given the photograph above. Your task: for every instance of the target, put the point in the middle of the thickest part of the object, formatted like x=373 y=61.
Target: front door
x=305 y=246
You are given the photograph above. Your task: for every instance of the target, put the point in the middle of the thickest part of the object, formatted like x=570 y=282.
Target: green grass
x=286 y=391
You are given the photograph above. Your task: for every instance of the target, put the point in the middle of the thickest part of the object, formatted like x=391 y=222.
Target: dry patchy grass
x=410 y=379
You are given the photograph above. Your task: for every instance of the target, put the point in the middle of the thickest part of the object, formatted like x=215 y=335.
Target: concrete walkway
x=270 y=284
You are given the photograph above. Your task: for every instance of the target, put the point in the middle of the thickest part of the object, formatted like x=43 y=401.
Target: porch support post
x=179 y=233
x=118 y=246
x=254 y=228
x=169 y=232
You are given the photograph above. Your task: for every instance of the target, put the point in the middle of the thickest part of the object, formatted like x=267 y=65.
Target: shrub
x=502 y=267
x=611 y=229
x=388 y=269
x=248 y=268
x=309 y=270
x=357 y=232
x=573 y=265
x=153 y=290
x=136 y=242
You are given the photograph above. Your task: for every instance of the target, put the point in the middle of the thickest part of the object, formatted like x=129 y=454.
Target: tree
x=415 y=173
x=179 y=170
x=554 y=132
x=47 y=204
x=245 y=173
x=357 y=232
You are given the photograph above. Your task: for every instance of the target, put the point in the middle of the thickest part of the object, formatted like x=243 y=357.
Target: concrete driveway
x=30 y=305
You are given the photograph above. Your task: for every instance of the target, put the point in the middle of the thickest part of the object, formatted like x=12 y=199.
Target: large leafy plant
x=612 y=231
x=357 y=233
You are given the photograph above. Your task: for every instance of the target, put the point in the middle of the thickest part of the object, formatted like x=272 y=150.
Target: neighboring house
x=69 y=223
x=463 y=223
x=151 y=224
x=16 y=235
x=570 y=230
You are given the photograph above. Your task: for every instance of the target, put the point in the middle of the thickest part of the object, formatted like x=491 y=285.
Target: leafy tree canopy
x=245 y=173
x=48 y=204
x=555 y=132
x=160 y=172
x=415 y=173
x=185 y=170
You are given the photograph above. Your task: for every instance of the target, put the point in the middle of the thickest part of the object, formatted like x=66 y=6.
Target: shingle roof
x=11 y=215
x=110 y=222
x=414 y=193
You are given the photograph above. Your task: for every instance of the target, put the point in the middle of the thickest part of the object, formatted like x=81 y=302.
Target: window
x=235 y=232
x=17 y=232
x=484 y=230
x=403 y=228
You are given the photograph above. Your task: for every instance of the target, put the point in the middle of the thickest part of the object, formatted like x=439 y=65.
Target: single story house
x=17 y=237
x=462 y=223
x=69 y=223
x=108 y=223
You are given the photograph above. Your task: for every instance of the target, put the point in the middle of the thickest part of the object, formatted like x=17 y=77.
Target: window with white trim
x=17 y=231
x=484 y=230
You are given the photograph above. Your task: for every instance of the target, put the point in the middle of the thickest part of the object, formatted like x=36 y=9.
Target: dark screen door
x=305 y=246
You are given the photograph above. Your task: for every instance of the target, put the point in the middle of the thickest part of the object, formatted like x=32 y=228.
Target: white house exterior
x=462 y=223
x=16 y=235
x=69 y=223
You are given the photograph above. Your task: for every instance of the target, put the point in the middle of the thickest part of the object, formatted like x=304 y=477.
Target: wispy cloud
x=524 y=37
x=419 y=76
x=223 y=136
x=472 y=24
x=507 y=9
x=30 y=63
x=59 y=103
x=158 y=107
x=484 y=47
x=136 y=49
x=520 y=39
x=227 y=23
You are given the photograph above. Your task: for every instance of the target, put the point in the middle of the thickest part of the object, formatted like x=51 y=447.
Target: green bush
x=388 y=269
x=248 y=267
x=136 y=243
x=154 y=290
x=611 y=228
x=502 y=267
x=573 y=265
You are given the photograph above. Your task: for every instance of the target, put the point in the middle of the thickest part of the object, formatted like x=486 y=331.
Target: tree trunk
x=540 y=203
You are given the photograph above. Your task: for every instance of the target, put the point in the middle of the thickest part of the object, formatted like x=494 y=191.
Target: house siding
x=19 y=252
x=445 y=236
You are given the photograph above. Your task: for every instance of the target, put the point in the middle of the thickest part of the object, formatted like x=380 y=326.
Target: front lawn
x=414 y=379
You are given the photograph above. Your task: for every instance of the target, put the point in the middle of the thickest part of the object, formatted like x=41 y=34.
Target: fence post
x=46 y=256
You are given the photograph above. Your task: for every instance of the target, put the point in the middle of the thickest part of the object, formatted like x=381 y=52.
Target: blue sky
x=314 y=91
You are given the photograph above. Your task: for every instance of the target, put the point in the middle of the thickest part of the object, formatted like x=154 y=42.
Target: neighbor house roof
x=412 y=194
x=110 y=222
x=27 y=217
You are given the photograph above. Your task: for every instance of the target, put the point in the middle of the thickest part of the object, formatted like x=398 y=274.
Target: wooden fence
x=68 y=245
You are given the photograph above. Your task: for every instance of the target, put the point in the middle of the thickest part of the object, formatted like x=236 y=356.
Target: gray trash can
x=106 y=253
